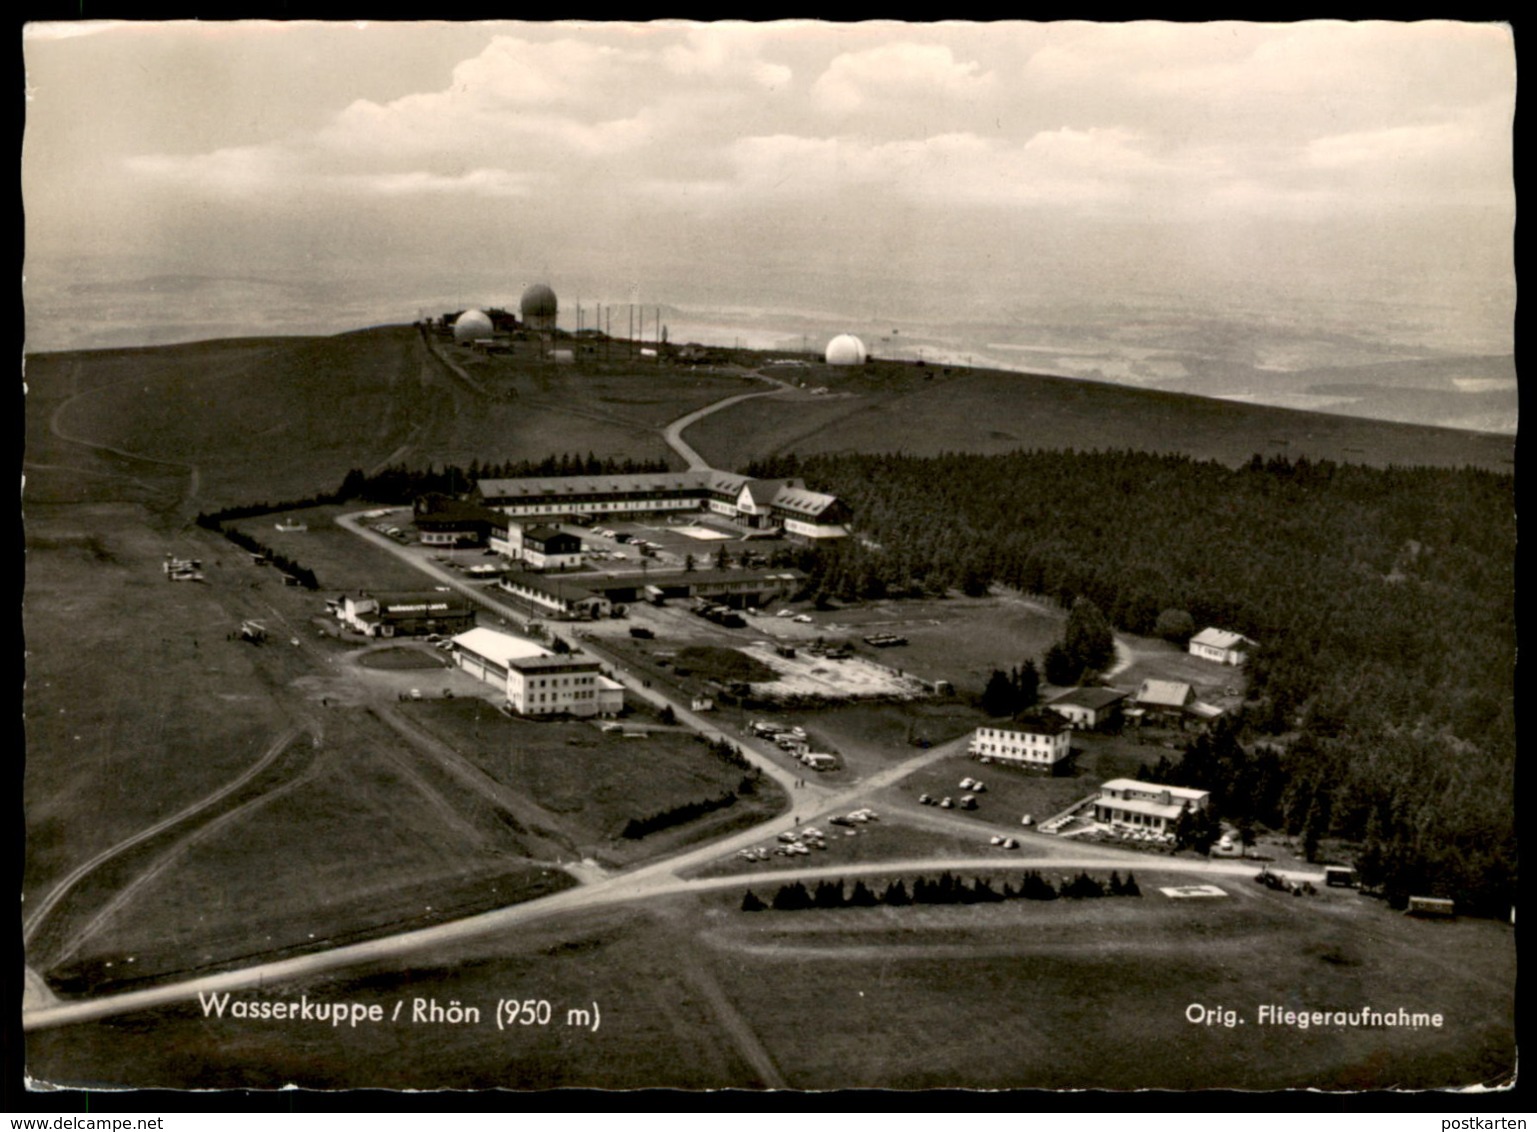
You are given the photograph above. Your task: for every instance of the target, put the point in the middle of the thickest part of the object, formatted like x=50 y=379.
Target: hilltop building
x=470 y=325
x=769 y=506
x=846 y=350
x=538 y=682
x=539 y=309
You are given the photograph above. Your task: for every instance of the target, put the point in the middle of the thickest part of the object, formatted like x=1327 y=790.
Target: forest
x=1381 y=708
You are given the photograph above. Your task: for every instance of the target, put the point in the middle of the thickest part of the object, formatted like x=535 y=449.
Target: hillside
x=216 y=423
x=990 y=412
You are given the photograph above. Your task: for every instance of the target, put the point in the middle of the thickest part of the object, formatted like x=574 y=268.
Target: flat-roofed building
x=536 y=680
x=1146 y=805
x=409 y=614
x=1038 y=741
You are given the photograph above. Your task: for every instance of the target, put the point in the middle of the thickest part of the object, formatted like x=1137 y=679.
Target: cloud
x=725 y=51
x=874 y=77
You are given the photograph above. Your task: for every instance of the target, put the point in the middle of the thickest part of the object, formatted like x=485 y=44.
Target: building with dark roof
x=409 y=614
x=770 y=506
x=441 y=520
x=1040 y=741
x=1088 y=708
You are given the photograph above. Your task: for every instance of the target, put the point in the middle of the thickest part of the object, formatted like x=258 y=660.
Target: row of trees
x=681 y=814
x=944 y=889
x=1382 y=599
x=303 y=575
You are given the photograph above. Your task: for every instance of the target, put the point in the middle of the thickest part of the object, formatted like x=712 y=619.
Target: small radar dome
x=846 y=350
x=472 y=325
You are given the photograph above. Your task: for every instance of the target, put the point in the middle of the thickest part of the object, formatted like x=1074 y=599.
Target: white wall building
x=1040 y=742
x=538 y=681
x=1146 y=805
x=1221 y=646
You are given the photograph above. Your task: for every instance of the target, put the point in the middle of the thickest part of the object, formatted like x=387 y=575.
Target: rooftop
x=1153 y=788
x=499 y=647
x=1221 y=639
x=1164 y=693
x=1088 y=697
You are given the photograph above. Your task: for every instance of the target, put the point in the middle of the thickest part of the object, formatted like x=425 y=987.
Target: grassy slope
x=990 y=412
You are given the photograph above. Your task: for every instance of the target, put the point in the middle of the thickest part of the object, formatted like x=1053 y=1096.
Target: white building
x=1221 y=646
x=1042 y=742
x=538 y=681
x=1146 y=805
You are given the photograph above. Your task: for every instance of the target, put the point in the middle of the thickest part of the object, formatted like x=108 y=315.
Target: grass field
x=990 y=412
x=695 y=994
x=342 y=561
x=591 y=783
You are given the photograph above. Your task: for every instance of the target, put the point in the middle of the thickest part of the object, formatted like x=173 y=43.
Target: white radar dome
x=472 y=325
x=846 y=350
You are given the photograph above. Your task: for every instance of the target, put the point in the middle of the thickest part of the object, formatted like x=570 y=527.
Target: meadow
x=695 y=994
x=989 y=412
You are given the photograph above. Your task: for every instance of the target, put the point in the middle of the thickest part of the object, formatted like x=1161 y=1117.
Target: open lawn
x=591 y=783
x=353 y=842
x=991 y=412
x=695 y=994
x=1013 y=792
x=342 y=562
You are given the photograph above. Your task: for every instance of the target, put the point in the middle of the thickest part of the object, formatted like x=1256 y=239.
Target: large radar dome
x=846 y=350
x=538 y=300
x=472 y=325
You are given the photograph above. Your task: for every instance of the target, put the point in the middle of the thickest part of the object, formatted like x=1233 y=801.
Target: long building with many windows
x=1039 y=741
x=770 y=506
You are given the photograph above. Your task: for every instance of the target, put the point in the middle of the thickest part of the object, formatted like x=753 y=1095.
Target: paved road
x=673 y=433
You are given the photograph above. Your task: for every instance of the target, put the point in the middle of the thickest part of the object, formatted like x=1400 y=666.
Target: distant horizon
x=1195 y=207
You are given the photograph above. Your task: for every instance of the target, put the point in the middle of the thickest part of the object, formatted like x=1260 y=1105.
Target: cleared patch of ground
x=806 y=675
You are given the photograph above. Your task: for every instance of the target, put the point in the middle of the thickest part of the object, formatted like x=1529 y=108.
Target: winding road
x=667 y=877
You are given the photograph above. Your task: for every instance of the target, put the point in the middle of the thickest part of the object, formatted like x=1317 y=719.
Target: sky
x=884 y=170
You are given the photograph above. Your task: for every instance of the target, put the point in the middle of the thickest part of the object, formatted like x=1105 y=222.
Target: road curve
x=673 y=433
x=39 y=913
